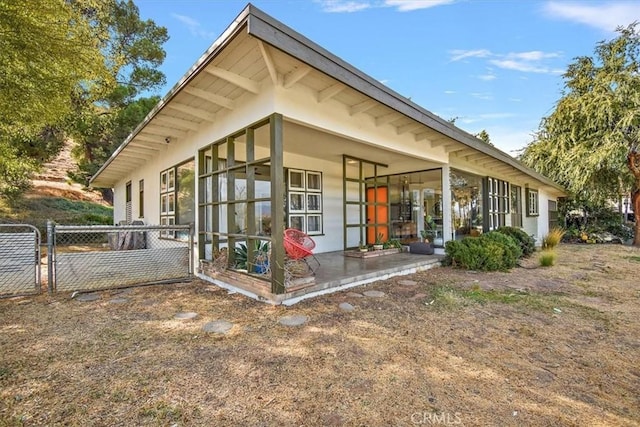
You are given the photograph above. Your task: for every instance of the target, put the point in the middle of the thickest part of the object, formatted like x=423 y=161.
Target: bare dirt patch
x=552 y=346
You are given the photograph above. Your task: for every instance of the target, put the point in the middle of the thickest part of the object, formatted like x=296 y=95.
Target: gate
x=19 y=260
x=104 y=257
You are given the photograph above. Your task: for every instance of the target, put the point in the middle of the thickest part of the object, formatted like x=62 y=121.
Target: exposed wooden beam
x=363 y=106
x=423 y=136
x=330 y=92
x=439 y=142
x=387 y=118
x=295 y=76
x=143 y=151
x=164 y=131
x=179 y=123
x=473 y=157
x=268 y=60
x=211 y=97
x=150 y=139
x=452 y=148
x=408 y=128
x=194 y=112
x=233 y=78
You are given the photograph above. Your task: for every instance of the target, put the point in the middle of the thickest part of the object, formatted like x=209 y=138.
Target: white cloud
x=486 y=96
x=458 y=54
x=534 y=55
x=605 y=16
x=349 y=6
x=409 y=5
x=524 y=66
x=450 y=92
x=342 y=6
x=194 y=27
x=487 y=77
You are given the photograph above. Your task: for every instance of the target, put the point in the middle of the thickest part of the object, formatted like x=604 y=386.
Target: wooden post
x=277 y=204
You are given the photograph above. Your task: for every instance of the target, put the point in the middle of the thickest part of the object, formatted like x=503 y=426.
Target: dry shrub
x=553 y=239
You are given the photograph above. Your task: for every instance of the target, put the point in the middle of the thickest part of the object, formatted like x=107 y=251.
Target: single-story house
x=268 y=131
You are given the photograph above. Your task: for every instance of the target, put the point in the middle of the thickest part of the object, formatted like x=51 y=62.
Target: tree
x=47 y=49
x=591 y=141
x=106 y=113
x=483 y=135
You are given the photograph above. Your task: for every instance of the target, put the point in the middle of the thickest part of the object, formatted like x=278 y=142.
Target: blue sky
x=495 y=65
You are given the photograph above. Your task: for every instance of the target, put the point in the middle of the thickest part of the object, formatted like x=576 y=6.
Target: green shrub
x=547 y=258
x=527 y=243
x=489 y=252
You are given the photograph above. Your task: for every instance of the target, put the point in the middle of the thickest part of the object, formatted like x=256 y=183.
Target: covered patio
x=336 y=272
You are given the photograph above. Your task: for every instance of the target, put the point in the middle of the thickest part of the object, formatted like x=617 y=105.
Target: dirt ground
x=535 y=346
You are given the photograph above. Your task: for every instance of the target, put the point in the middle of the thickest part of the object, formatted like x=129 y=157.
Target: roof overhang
x=148 y=139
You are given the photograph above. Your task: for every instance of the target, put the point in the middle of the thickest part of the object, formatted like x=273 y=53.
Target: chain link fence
x=103 y=257
x=19 y=259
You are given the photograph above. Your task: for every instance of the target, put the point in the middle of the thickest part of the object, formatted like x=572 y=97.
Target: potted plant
x=379 y=243
x=427 y=235
x=362 y=247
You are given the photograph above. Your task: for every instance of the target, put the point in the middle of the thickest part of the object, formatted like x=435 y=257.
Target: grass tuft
x=553 y=239
x=547 y=258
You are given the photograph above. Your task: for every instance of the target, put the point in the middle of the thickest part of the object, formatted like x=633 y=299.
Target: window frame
x=298 y=214
x=168 y=197
x=533 y=202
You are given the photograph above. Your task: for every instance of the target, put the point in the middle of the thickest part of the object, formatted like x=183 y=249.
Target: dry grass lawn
x=535 y=346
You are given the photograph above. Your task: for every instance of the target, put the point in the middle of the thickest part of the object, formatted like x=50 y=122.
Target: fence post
x=50 y=246
x=191 y=251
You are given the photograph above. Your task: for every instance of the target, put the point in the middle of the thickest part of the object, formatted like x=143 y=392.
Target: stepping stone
x=419 y=296
x=149 y=302
x=345 y=306
x=218 y=326
x=373 y=294
x=186 y=315
x=407 y=282
x=88 y=297
x=295 y=320
x=355 y=295
x=118 y=300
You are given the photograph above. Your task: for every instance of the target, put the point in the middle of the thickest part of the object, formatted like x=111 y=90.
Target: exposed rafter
x=408 y=128
x=476 y=156
x=144 y=151
x=233 y=78
x=211 y=97
x=268 y=60
x=423 y=136
x=363 y=106
x=330 y=92
x=452 y=148
x=295 y=76
x=387 y=118
x=194 y=112
x=164 y=131
x=439 y=142
x=184 y=124
x=155 y=141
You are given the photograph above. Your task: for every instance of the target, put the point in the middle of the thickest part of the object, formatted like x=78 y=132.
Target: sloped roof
x=149 y=136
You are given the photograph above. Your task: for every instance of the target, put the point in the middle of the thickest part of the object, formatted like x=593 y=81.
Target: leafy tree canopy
x=585 y=142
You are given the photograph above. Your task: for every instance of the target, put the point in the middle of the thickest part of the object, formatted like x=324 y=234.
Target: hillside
x=54 y=197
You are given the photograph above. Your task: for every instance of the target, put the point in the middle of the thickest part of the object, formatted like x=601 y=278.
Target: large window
x=516 y=206
x=177 y=196
x=466 y=204
x=498 y=202
x=304 y=200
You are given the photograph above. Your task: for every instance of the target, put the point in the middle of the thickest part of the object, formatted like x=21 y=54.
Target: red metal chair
x=299 y=246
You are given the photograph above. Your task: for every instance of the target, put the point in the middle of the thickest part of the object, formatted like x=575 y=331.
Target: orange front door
x=377 y=214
